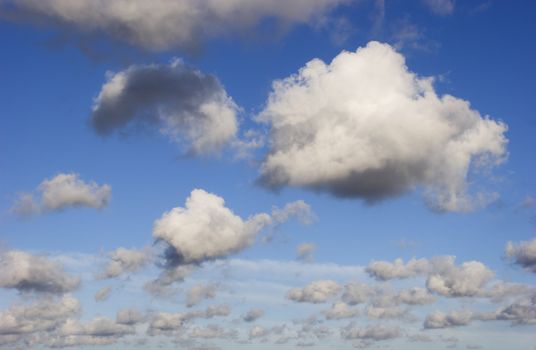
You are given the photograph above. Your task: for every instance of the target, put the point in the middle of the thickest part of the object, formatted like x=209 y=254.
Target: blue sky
x=56 y=61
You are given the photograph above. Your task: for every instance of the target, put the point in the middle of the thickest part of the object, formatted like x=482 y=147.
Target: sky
x=264 y=174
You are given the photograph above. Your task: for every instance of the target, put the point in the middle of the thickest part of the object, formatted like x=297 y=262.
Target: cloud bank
x=365 y=126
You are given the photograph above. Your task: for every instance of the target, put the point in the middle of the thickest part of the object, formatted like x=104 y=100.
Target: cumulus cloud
x=385 y=270
x=520 y=312
x=190 y=107
x=43 y=315
x=305 y=252
x=61 y=192
x=205 y=229
x=365 y=126
x=129 y=316
x=124 y=260
x=315 y=292
x=523 y=254
x=444 y=277
x=172 y=23
x=340 y=310
x=200 y=292
x=369 y=335
x=467 y=280
x=253 y=315
x=416 y=296
x=103 y=293
x=356 y=293
x=439 y=319
x=33 y=273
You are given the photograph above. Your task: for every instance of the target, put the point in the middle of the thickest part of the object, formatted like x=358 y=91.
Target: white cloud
x=103 y=293
x=171 y=23
x=42 y=315
x=340 y=310
x=467 y=280
x=385 y=270
x=439 y=319
x=61 y=192
x=443 y=276
x=205 y=229
x=305 y=252
x=124 y=260
x=191 y=108
x=200 y=292
x=32 y=273
x=365 y=126
x=315 y=292
x=523 y=254
x=416 y=296
x=253 y=315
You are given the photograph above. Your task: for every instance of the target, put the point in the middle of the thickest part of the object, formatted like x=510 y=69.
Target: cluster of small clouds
x=443 y=276
x=65 y=190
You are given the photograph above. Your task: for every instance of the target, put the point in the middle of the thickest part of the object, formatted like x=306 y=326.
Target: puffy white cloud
x=200 y=292
x=299 y=209
x=372 y=333
x=381 y=312
x=356 y=293
x=315 y=292
x=467 y=280
x=212 y=331
x=439 y=319
x=523 y=254
x=257 y=332
x=33 y=273
x=61 y=192
x=165 y=323
x=253 y=315
x=43 y=315
x=365 y=126
x=340 y=310
x=172 y=23
x=189 y=107
x=521 y=311
x=305 y=252
x=384 y=270
x=416 y=296
x=124 y=260
x=205 y=229
x=129 y=316
x=443 y=275
x=103 y=293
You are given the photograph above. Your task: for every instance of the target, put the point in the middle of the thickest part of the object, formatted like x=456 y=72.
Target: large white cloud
x=166 y=24
x=32 y=273
x=63 y=191
x=365 y=126
x=191 y=108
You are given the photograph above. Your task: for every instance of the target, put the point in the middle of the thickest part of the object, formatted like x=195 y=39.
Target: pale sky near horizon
x=263 y=174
